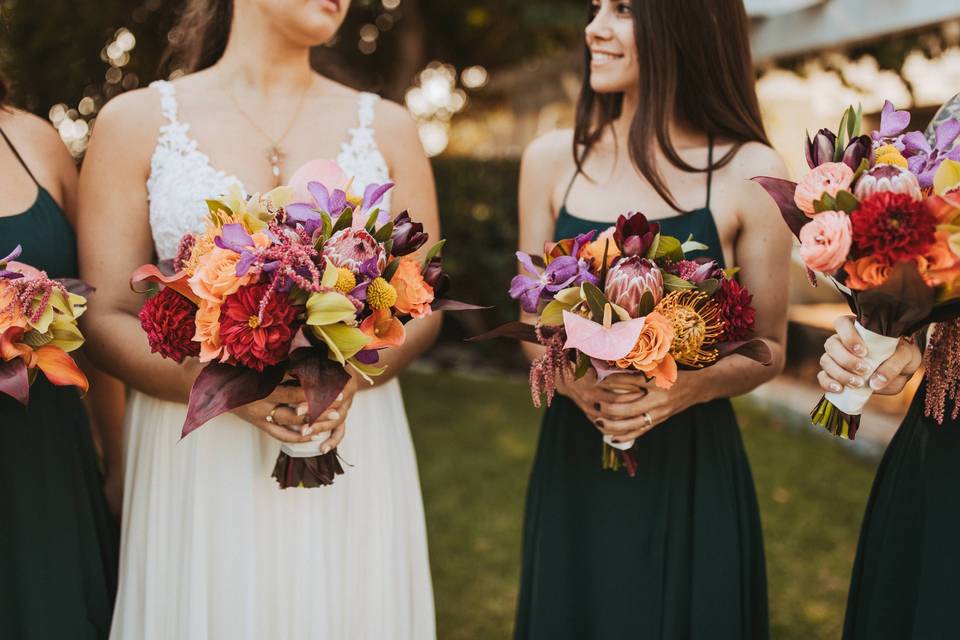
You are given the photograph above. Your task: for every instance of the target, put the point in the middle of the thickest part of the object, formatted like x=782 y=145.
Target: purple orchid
x=892 y=124
x=5 y=273
x=923 y=159
x=562 y=272
x=234 y=237
x=307 y=213
x=372 y=196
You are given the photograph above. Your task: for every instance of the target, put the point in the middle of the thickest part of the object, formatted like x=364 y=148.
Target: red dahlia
x=257 y=341
x=170 y=322
x=736 y=310
x=892 y=227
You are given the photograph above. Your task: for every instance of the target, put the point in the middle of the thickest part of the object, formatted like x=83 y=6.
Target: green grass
x=475 y=440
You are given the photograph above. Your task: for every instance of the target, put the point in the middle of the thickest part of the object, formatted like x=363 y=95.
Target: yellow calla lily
x=344 y=342
x=66 y=335
x=329 y=307
x=367 y=371
x=947 y=177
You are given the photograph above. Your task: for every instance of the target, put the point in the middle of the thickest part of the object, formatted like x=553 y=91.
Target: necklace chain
x=275 y=153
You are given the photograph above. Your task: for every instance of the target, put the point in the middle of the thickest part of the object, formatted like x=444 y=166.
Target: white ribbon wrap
x=852 y=400
x=304 y=449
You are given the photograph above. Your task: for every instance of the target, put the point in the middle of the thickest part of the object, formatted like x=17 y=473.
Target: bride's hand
x=277 y=415
x=333 y=420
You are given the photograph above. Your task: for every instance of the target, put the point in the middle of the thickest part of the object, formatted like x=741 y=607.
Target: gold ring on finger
x=647 y=420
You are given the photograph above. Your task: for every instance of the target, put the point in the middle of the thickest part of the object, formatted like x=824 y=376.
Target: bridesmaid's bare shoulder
x=41 y=147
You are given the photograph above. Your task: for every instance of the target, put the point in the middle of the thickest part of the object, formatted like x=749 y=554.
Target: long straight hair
x=4 y=90
x=199 y=35
x=695 y=69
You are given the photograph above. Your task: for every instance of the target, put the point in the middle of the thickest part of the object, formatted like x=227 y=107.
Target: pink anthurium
x=326 y=172
x=601 y=341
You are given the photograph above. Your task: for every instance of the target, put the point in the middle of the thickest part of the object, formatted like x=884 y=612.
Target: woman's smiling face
x=613 y=47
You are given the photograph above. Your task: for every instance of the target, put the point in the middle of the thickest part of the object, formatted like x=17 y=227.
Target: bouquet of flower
x=879 y=215
x=628 y=299
x=274 y=288
x=38 y=328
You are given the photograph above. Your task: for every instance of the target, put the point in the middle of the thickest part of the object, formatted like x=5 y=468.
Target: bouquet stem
x=828 y=416
x=307 y=472
x=614 y=459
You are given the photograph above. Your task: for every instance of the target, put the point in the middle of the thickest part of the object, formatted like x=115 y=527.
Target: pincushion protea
x=698 y=325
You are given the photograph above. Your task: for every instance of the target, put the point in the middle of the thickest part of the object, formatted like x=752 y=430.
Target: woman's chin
x=602 y=85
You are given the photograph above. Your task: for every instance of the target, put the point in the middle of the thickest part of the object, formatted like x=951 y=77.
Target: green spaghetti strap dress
x=675 y=553
x=58 y=543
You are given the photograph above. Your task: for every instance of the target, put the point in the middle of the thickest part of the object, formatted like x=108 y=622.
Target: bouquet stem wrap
x=302 y=465
x=619 y=454
x=839 y=413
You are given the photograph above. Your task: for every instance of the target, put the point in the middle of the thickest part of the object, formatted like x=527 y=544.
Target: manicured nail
x=324 y=449
x=333 y=415
x=878 y=381
x=859 y=349
x=861 y=366
x=306 y=430
x=856 y=382
x=835 y=387
x=339 y=397
x=303 y=409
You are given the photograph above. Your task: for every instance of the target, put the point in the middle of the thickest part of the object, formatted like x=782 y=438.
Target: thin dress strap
x=709 y=167
x=365 y=108
x=168 y=99
x=19 y=157
x=566 y=194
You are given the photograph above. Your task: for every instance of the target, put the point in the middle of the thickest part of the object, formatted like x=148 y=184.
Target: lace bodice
x=182 y=177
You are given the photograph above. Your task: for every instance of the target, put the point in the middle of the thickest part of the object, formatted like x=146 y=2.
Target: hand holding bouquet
x=628 y=300
x=879 y=215
x=38 y=329
x=272 y=288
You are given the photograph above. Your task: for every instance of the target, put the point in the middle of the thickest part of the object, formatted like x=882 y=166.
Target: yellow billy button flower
x=889 y=154
x=381 y=294
x=346 y=281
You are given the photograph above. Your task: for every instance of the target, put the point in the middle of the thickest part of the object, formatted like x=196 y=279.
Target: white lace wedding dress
x=212 y=549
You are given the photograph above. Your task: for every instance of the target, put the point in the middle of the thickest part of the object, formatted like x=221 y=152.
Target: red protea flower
x=736 y=310
x=257 y=337
x=169 y=320
x=892 y=227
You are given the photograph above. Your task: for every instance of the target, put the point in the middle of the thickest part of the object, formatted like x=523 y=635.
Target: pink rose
x=829 y=178
x=825 y=241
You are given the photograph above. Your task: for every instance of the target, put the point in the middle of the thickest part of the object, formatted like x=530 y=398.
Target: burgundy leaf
x=14 y=380
x=756 y=349
x=517 y=330
x=782 y=193
x=453 y=305
x=75 y=286
x=221 y=388
x=321 y=378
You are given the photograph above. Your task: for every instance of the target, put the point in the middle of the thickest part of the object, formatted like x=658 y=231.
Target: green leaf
x=675 y=283
x=344 y=221
x=669 y=248
x=388 y=247
x=651 y=254
x=731 y=272
x=646 y=304
x=383 y=233
x=552 y=315
x=603 y=265
x=709 y=286
x=327 y=228
x=372 y=220
x=329 y=307
x=842 y=138
x=692 y=245
x=344 y=342
x=391 y=269
x=858 y=123
x=583 y=365
x=864 y=165
x=595 y=299
x=846 y=201
x=434 y=251
x=826 y=203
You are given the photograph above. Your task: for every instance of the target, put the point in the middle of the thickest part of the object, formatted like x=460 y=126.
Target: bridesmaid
x=904 y=583
x=58 y=546
x=667 y=124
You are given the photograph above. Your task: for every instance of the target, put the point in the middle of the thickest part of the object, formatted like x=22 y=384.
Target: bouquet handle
x=301 y=464
x=840 y=412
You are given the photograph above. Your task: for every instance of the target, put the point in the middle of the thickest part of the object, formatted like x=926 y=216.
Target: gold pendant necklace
x=275 y=153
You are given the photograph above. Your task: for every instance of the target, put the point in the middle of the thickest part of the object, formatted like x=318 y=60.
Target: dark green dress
x=906 y=577
x=673 y=553
x=58 y=549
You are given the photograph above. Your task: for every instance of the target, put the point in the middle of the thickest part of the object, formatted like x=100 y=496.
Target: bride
x=211 y=548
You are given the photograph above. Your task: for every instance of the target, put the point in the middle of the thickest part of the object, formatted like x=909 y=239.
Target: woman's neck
x=262 y=61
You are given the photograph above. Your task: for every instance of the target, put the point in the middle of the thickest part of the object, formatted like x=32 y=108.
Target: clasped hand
x=625 y=405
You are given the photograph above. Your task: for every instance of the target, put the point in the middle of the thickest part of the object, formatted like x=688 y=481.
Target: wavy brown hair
x=696 y=69
x=199 y=35
x=4 y=90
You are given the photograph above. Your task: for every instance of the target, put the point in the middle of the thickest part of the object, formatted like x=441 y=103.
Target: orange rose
x=216 y=275
x=208 y=332
x=594 y=250
x=413 y=294
x=940 y=265
x=651 y=354
x=866 y=273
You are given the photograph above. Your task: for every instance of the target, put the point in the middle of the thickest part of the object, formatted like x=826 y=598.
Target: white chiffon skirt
x=212 y=549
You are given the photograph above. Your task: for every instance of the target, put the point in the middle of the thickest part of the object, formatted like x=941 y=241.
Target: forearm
x=732 y=376
x=106 y=402
x=421 y=334
x=117 y=345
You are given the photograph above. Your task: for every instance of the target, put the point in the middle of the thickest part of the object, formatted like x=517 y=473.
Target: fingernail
x=859 y=350
x=339 y=397
x=325 y=449
x=861 y=366
x=306 y=430
x=333 y=415
x=303 y=409
x=856 y=382
x=878 y=381
x=835 y=387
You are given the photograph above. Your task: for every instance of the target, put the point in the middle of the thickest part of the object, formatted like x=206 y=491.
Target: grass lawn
x=475 y=441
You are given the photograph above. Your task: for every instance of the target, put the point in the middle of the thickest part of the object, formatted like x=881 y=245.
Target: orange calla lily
x=385 y=330
x=11 y=347
x=177 y=282
x=59 y=368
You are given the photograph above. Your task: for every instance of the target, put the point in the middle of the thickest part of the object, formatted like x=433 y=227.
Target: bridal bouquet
x=38 y=329
x=311 y=289
x=879 y=215
x=628 y=299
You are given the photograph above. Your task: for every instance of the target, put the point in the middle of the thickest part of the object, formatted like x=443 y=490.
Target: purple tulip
x=407 y=236
x=857 y=151
x=434 y=276
x=821 y=149
x=923 y=159
x=634 y=234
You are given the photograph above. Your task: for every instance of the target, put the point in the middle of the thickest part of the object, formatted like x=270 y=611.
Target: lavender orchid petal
x=947 y=134
x=527 y=263
x=17 y=251
x=892 y=122
x=234 y=237
x=320 y=195
x=373 y=194
x=582 y=240
x=338 y=202
x=916 y=143
x=245 y=262
x=300 y=213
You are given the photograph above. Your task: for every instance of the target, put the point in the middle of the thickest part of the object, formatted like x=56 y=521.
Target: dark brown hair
x=695 y=67
x=4 y=89
x=199 y=36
